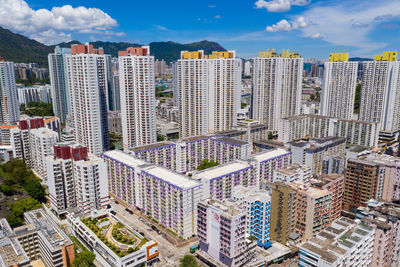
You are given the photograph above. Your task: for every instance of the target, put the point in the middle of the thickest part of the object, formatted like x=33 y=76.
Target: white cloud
x=285 y=26
x=345 y=23
x=280 y=5
x=162 y=28
x=281 y=26
x=55 y=25
x=217 y=16
x=212 y=6
x=350 y=23
x=316 y=36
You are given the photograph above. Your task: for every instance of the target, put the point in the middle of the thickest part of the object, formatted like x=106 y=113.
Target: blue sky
x=314 y=28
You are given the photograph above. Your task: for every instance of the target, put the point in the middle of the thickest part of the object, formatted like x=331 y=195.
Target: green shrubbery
x=205 y=164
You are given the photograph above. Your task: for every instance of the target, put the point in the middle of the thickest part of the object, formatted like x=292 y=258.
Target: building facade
x=58 y=80
x=222 y=233
x=87 y=78
x=339 y=86
x=380 y=92
x=60 y=175
x=277 y=85
x=208 y=89
x=283 y=213
x=137 y=88
x=293 y=173
x=91 y=184
x=345 y=243
x=41 y=141
x=314 y=152
x=313 y=210
x=360 y=133
x=9 y=113
x=168 y=197
x=257 y=205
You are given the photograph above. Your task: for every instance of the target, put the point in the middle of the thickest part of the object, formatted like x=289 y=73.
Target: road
x=169 y=254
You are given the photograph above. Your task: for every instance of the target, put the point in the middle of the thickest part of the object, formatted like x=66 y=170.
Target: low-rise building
x=269 y=161
x=334 y=183
x=111 y=251
x=315 y=126
x=257 y=205
x=313 y=209
x=43 y=239
x=11 y=252
x=166 y=196
x=218 y=182
x=222 y=233
x=313 y=152
x=283 y=213
x=293 y=173
x=385 y=218
x=344 y=243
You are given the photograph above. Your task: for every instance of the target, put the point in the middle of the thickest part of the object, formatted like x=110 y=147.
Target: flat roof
x=124 y=158
x=222 y=170
x=47 y=228
x=270 y=154
x=151 y=146
x=230 y=140
x=173 y=178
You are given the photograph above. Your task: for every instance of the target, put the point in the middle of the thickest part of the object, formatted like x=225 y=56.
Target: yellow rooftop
x=338 y=57
x=224 y=54
x=192 y=55
x=272 y=53
x=387 y=56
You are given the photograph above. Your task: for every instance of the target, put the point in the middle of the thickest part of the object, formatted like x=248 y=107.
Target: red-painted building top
x=67 y=152
x=85 y=49
x=135 y=51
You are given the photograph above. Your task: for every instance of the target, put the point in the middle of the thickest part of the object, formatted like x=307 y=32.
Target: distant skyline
x=314 y=28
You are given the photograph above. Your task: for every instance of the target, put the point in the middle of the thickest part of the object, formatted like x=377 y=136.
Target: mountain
x=18 y=48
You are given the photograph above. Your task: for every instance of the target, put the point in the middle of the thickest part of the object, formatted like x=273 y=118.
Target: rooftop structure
x=342 y=243
x=11 y=251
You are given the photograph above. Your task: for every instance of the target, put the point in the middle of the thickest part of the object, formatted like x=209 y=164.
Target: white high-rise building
x=277 y=85
x=339 y=86
x=42 y=141
x=91 y=183
x=58 y=81
x=380 y=92
x=209 y=88
x=137 y=87
x=9 y=113
x=87 y=74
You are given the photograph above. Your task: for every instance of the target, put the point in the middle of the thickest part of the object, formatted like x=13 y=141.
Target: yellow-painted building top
x=225 y=54
x=387 y=56
x=192 y=55
x=273 y=53
x=338 y=57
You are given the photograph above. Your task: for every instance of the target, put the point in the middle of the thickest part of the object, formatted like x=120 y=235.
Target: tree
x=160 y=138
x=188 y=261
x=19 y=208
x=205 y=164
x=270 y=136
x=84 y=259
x=35 y=190
x=243 y=105
x=7 y=190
